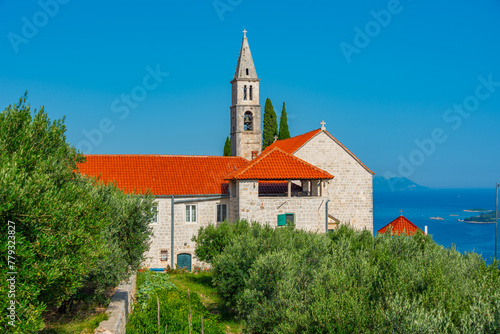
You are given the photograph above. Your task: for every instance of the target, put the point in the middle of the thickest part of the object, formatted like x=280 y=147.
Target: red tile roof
x=399 y=225
x=164 y=174
x=291 y=145
x=274 y=164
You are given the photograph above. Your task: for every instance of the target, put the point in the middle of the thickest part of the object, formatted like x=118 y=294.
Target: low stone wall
x=119 y=308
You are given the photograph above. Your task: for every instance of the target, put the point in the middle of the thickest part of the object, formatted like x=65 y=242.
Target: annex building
x=311 y=180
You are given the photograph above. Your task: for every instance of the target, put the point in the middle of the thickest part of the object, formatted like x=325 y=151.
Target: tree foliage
x=211 y=240
x=70 y=230
x=270 y=125
x=227 y=147
x=284 y=133
x=292 y=281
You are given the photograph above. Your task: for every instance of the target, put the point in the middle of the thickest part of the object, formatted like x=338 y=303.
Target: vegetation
x=227 y=147
x=175 y=307
x=291 y=281
x=211 y=240
x=201 y=283
x=84 y=321
x=270 y=125
x=74 y=236
x=483 y=217
x=283 y=131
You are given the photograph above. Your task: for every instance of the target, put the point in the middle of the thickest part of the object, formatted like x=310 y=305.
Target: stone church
x=310 y=180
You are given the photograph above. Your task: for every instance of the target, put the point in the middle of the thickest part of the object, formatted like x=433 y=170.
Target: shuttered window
x=221 y=212
x=286 y=218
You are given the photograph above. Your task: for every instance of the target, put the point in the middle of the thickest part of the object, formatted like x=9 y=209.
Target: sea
x=419 y=205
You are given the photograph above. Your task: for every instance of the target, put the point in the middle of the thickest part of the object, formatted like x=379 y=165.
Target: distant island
x=488 y=217
x=477 y=210
x=380 y=183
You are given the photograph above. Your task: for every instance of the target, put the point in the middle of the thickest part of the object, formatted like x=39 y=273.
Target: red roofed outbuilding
x=400 y=225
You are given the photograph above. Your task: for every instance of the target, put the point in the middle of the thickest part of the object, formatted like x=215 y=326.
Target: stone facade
x=351 y=191
x=309 y=211
x=244 y=203
x=206 y=213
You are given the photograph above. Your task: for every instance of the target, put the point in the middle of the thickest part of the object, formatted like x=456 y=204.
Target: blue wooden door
x=184 y=261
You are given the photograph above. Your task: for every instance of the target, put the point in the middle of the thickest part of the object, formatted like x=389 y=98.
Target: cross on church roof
x=244 y=33
x=323 y=125
x=401 y=211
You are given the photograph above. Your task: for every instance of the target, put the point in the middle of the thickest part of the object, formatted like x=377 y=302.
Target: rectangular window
x=190 y=213
x=154 y=210
x=287 y=218
x=221 y=212
x=163 y=255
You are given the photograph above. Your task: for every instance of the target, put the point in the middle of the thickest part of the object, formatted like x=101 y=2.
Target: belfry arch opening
x=248 y=121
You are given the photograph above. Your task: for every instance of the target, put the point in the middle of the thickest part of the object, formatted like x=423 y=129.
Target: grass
x=201 y=283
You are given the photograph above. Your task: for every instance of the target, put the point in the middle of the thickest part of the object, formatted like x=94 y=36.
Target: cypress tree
x=283 y=133
x=270 y=125
x=227 y=147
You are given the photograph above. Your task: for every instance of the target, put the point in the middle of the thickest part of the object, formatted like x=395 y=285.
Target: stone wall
x=309 y=210
x=206 y=211
x=119 y=308
x=351 y=191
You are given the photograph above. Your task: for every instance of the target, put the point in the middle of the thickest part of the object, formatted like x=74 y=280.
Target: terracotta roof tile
x=274 y=164
x=291 y=145
x=399 y=225
x=164 y=174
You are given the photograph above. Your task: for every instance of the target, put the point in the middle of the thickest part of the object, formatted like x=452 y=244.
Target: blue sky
x=384 y=75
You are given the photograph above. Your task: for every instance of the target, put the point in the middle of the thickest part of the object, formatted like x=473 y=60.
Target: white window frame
x=217 y=212
x=165 y=253
x=189 y=216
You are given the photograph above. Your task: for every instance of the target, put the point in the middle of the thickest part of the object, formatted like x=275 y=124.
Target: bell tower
x=246 y=133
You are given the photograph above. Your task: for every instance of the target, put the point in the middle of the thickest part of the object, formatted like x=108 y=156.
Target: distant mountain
x=395 y=184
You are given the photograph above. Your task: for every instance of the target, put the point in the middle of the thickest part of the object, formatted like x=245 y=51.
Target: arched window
x=251 y=92
x=248 y=121
x=245 y=93
x=247 y=71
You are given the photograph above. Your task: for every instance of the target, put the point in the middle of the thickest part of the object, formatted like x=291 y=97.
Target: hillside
x=395 y=184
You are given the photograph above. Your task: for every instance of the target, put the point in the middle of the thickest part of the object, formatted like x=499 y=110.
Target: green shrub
x=290 y=281
x=211 y=240
x=70 y=231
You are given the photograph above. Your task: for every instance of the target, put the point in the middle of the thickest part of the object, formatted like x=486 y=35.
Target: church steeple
x=245 y=68
x=246 y=134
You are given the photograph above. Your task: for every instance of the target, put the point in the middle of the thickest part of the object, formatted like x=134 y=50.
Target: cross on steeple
x=323 y=125
x=244 y=33
x=401 y=211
